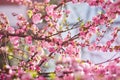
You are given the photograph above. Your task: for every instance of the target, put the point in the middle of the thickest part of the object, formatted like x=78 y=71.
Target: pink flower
x=34 y=28
x=40 y=78
x=52 y=13
x=67 y=11
x=104 y=48
x=32 y=49
x=92 y=29
x=11 y=30
x=52 y=49
x=14 y=41
x=46 y=1
x=58 y=70
x=92 y=46
x=108 y=43
x=74 y=1
x=36 y=18
x=68 y=77
x=70 y=49
x=18 y=31
x=110 y=77
x=26 y=77
x=45 y=44
x=28 y=40
x=58 y=40
x=47 y=18
x=50 y=9
x=112 y=68
x=1 y=36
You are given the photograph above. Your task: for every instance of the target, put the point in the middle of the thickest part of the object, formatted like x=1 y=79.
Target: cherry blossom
x=36 y=18
x=36 y=44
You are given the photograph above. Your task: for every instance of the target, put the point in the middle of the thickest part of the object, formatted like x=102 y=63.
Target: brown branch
x=36 y=37
x=3 y=32
x=47 y=73
x=108 y=61
x=45 y=59
x=66 y=30
x=102 y=36
x=31 y=57
x=40 y=64
x=72 y=38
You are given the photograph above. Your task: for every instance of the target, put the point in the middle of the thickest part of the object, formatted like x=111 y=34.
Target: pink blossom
x=40 y=78
x=104 y=48
x=92 y=29
x=50 y=9
x=14 y=41
x=36 y=18
x=108 y=43
x=11 y=30
x=46 y=1
x=74 y=1
x=58 y=40
x=67 y=11
x=58 y=70
x=34 y=28
x=28 y=40
x=47 y=18
x=70 y=49
x=1 y=36
x=92 y=47
x=110 y=77
x=68 y=77
x=45 y=44
x=70 y=67
x=26 y=76
x=18 y=31
x=32 y=50
x=52 y=49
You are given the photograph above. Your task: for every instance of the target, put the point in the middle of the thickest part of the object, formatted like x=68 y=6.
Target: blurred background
x=79 y=10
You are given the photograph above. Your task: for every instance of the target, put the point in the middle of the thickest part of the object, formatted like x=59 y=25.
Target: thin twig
x=31 y=57
x=107 y=61
x=47 y=73
x=72 y=38
x=40 y=64
x=66 y=30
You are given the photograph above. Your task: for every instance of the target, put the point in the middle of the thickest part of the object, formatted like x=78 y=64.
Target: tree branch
x=66 y=30
x=108 y=60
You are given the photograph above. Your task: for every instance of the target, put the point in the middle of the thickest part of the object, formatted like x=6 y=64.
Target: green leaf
x=26 y=47
x=33 y=73
x=52 y=76
x=60 y=27
x=82 y=24
x=10 y=49
x=78 y=18
x=10 y=57
x=29 y=13
x=25 y=56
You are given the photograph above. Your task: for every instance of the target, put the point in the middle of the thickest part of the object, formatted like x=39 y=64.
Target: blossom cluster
x=72 y=69
x=30 y=41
